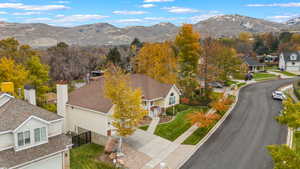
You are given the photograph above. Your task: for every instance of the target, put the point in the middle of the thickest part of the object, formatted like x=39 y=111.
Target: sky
x=124 y=13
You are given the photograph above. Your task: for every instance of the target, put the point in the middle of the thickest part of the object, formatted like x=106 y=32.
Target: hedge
x=296 y=86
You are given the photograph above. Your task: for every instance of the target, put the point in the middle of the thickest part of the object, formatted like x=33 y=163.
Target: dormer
x=293 y=57
x=32 y=132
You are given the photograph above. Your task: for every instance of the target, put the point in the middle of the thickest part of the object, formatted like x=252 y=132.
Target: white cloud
x=147 y=1
x=61 y=2
x=62 y=19
x=160 y=19
x=2 y=19
x=32 y=7
x=26 y=13
x=198 y=18
x=129 y=12
x=175 y=9
x=292 y=4
x=3 y=13
x=148 y=6
x=129 y=21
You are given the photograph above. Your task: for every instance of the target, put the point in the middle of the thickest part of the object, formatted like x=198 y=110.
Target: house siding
x=167 y=98
x=56 y=128
x=293 y=67
x=89 y=120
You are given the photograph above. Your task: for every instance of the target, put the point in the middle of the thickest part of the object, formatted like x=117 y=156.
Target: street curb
x=217 y=126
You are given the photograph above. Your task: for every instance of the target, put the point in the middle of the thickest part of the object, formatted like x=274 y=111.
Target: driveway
x=240 y=142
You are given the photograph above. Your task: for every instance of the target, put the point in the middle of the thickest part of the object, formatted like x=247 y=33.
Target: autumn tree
x=10 y=71
x=222 y=103
x=201 y=119
x=38 y=75
x=189 y=50
x=246 y=37
x=290 y=114
x=128 y=110
x=284 y=157
x=157 y=60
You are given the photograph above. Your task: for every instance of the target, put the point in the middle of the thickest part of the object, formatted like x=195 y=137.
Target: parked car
x=216 y=85
x=278 y=95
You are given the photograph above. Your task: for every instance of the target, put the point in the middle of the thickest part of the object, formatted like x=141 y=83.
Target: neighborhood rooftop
x=15 y=112
x=92 y=96
x=10 y=158
x=252 y=62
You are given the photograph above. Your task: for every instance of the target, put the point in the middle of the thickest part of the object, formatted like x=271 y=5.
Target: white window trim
x=23 y=134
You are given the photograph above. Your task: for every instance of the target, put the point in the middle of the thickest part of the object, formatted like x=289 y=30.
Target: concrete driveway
x=240 y=142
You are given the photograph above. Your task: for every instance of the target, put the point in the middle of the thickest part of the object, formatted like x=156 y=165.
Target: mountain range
x=42 y=35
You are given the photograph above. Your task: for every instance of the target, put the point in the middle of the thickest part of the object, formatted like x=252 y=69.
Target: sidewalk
x=153 y=125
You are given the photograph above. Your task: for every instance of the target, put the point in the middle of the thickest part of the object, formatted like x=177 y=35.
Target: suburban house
x=289 y=61
x=31 y=137
x=254 y=65
x=87 y=109
x=268 y=59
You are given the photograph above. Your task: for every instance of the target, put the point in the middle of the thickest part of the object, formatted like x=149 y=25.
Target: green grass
x=263 y=76
x=145 y=128
x=286 y=73
x=172 y=130
x=198 y=135
x=297 y=141
x=84 y=157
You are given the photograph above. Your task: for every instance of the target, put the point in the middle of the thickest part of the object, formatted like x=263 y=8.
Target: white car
x=278 y=95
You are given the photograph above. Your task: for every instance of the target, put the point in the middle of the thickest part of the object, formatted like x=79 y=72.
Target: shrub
x=296 y=87
x=177 y=108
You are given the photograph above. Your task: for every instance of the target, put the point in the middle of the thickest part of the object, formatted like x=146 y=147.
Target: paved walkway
x=153 y=124
x=280 y=74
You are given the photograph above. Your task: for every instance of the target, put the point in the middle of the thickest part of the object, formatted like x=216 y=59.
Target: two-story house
x=87 y=109
x=31 y=137
x=289 y=61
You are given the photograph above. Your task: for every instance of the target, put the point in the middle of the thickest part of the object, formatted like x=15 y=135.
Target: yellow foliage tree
x=158 y=61
x=128 y=110
x=189 y=50
x=246 y=37
x=13 y=72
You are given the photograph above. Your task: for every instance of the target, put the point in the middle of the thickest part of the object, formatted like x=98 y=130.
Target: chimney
x=30 y=94
x=62 y=99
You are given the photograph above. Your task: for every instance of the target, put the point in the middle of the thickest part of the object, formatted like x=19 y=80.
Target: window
x=23 y=138
x=40 y=134
x=172 y=99
x=293 y=57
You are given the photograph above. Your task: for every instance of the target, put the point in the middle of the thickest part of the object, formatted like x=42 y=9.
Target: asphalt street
x=240 y=143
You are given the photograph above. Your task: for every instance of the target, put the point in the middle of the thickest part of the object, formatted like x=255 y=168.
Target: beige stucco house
x=87 y=109
x=31 y=137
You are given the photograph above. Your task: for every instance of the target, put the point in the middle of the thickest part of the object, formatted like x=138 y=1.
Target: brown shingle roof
x=10 y=158
x=15 y=112
x=92 y=97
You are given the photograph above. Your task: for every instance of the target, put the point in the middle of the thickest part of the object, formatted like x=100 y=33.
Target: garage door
x=54 y=162
x=292 y=68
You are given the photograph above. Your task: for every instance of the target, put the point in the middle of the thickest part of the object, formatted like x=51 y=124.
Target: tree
x=291 y=114
x=13 y=72
x=114 y=56
x=137 y=43
x=189 y=50
x=38 y=75
x=158 y=61
x=201 y=119
x=284 y=157
x=246 y=37
x=128 y=110
x=222 y=104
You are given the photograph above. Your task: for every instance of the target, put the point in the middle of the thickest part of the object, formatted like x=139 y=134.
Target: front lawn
x=85 y=157
x=172 y=130
x=297 y=141
x=263 y=76
x=286 y=73
x=145 y=128
x=198 y=135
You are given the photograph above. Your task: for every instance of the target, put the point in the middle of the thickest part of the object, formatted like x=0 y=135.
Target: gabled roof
x=92 y=96
x=287 y=56
x=252 y=62
x=15 y=112
x=10 y=158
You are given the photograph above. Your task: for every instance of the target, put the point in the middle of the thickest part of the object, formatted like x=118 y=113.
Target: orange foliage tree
x=201 y=119
x=221 y=105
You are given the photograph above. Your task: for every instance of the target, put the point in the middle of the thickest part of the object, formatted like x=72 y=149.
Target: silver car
x=278 y=95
